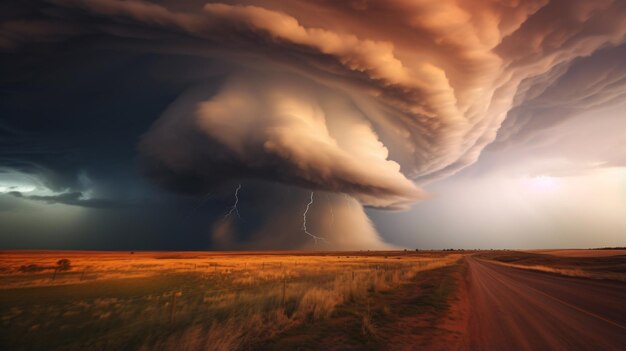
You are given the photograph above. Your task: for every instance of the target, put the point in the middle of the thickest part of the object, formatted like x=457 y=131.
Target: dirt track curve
x=515 y=309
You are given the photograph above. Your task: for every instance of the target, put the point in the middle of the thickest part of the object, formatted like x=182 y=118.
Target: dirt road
x=514 y=309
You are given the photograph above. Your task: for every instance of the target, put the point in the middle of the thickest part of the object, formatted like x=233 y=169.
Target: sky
x=330 y=125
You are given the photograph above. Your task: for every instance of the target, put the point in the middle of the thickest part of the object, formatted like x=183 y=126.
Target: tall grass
x=215 y=303
x=308 y=299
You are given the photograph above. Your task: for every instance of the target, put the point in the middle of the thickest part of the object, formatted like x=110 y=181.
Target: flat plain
x=394 y=300
x=190 y=300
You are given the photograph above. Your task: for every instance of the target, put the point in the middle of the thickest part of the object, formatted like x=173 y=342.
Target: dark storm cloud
x=73 y=199
x=76 y=110
x=358 y=97
x=271 y=217
x=437 y=105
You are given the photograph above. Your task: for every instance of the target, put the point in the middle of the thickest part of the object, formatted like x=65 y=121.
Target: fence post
x=284 y=290
x=173 y=306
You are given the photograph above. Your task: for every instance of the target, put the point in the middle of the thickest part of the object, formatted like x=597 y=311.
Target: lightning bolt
x=315 y=237
x=234 y=208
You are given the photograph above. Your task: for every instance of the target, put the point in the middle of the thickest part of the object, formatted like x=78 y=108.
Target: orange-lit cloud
x=367 y=98
x=438 y=76
x=436 y=99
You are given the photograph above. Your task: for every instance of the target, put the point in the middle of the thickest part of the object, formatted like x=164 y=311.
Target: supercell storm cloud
x=371 y=99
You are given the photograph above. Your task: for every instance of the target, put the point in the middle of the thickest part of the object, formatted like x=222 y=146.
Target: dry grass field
x=594 y=264
x=202 y=301
x=581 y=252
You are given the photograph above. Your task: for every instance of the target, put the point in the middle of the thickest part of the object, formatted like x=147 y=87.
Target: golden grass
x=581 y=253
x=570 y=272
x=243 y=268
x=228 y=301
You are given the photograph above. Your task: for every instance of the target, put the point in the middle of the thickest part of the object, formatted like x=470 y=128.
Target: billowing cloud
x=567 y=91
x=276 y=128
x=366 y=98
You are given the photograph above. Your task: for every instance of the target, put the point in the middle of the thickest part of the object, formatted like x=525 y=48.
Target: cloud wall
x=366 y=98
